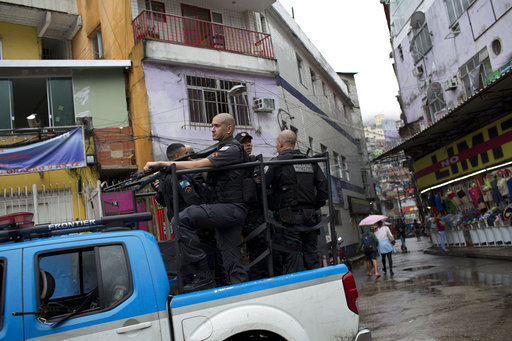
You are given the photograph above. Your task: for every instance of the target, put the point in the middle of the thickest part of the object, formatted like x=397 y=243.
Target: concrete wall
x=100 y=94
x=113 y=17
x=477 y=31
x=314 y=114
x=169 y=111
x=19 y=42
x=64 y=6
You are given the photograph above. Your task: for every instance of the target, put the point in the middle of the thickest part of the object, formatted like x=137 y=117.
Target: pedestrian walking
x=369 y=244
x=386 y=248
x=440 y=228
x=401 y=229
x=417 y=229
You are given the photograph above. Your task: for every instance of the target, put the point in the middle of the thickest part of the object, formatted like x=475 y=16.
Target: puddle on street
x=433 y=282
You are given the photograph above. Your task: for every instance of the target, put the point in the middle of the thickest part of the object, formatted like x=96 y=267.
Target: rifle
x=142 y=178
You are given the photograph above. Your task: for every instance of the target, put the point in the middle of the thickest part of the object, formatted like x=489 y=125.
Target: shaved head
x=285 y=141
x=226 y=119
x=288 y=138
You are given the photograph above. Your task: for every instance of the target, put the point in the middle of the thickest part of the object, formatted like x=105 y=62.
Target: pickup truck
x=99 y=280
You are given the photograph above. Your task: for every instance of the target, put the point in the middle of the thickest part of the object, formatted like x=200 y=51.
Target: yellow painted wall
x=19 y=42
x=114 y=19
x=67 y=178
x=139 y=108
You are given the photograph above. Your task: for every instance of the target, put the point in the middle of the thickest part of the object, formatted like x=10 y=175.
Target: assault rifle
x=142 y=178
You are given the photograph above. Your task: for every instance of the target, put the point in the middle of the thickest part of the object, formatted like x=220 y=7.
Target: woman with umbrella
x=369 y=243
x=386 y=248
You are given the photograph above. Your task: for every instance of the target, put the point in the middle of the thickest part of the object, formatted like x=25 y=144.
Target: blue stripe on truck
x=254 y=286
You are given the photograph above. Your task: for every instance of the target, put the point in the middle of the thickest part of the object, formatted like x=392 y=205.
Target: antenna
x=417 y=20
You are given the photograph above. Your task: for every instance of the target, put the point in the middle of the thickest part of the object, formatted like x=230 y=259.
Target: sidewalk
x=491 y=252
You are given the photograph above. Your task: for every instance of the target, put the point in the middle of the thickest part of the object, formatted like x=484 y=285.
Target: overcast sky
x=353 y=36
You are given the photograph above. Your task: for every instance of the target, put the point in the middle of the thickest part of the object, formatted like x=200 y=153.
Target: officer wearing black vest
x=225 y=215
x=296 y=192
x=191 y=190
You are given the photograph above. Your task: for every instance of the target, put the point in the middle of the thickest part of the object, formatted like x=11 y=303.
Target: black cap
x=242 y=135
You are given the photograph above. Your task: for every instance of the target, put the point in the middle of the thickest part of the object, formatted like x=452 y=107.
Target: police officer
x=226 y=214
x=190 y=191
x=296 y=192
x=255 y=217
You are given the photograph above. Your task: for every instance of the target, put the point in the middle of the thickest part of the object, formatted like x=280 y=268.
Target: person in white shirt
x=386 y=248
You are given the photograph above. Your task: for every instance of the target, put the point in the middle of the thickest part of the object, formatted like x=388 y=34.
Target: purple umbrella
x=372 y=219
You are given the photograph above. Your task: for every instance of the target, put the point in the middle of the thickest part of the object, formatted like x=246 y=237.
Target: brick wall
x=114 y=146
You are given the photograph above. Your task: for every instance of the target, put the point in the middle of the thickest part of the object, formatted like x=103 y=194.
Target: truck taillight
x=350 y=291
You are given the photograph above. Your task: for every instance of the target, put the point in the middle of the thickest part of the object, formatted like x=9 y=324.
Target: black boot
x=202 y=279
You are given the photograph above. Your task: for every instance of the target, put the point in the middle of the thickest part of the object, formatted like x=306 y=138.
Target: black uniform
x=191 y=191
x=225 y=215
x=258 y=243
x=297 y=191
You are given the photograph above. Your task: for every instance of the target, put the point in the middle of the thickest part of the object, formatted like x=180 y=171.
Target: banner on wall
x=485 y=147
x=61 y=152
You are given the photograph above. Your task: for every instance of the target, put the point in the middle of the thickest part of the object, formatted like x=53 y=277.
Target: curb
x=469 y=254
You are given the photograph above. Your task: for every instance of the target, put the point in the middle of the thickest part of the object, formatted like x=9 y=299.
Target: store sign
x=359 y=206
x=60 y=152
x=488 y=146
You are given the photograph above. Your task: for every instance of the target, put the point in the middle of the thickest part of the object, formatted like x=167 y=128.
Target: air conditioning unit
x=418 y=71
x=451 y=83
x=264 y=104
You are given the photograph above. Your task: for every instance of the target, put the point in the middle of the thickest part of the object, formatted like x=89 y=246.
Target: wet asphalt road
x=436 y=297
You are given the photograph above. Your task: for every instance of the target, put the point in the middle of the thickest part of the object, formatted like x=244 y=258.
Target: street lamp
x=234 y=91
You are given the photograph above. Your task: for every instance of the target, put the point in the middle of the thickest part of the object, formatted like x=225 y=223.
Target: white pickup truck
x=57 y=284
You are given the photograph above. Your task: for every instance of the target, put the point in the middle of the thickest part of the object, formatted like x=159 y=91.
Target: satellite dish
x=417 y=20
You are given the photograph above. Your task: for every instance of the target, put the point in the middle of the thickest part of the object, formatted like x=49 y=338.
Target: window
x=344 y=166
x=1 y=52
x=55 y=49
x=86 y=280
x=456 y=8
x=2 y=291
x=323 y=149
x=313 y=80
x=300 y=69
x=420 y=42
x=474 y=72
x=263 y=24
x=312 y=151
x=159 y=7
x=97 y=45
x=359 y=146
x=51 y=99
x=324 y=89
x=208 y=97
x=155 y=6
x=337 y=165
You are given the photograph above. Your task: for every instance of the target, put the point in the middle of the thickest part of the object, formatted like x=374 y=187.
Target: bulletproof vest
x=233 y=186
x=296 y=187
x=189 y=192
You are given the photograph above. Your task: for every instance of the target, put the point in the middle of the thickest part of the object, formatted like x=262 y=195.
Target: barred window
x=474 y=71
x=208 y=97
x=420 y=42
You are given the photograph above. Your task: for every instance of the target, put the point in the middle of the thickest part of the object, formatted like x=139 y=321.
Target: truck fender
x=241 y=319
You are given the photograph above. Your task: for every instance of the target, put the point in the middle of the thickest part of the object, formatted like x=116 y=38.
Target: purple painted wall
x=169 y=111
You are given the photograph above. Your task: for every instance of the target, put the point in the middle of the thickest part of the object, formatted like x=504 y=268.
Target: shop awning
x=484 y=107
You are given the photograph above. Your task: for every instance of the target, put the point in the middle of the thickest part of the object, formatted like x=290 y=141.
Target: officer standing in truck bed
x=297 y=191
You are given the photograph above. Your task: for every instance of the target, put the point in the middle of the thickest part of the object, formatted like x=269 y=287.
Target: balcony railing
x=189 y=31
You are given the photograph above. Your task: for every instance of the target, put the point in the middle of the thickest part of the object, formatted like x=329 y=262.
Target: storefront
x=463 y=168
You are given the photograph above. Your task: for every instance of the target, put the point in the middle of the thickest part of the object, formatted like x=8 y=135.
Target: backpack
x=367 y=241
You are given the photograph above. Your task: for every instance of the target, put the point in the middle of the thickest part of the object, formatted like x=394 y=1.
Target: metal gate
x=52 y=203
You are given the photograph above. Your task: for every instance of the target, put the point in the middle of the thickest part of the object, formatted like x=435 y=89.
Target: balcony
x=204 y=34
x=55 y=19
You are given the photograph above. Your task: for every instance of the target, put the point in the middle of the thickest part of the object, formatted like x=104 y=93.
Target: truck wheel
x=256 y=335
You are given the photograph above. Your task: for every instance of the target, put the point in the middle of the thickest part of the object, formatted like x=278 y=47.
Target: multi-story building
x=444 y=52
x=38 y=78
x=191 y=60
x=452 y=62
